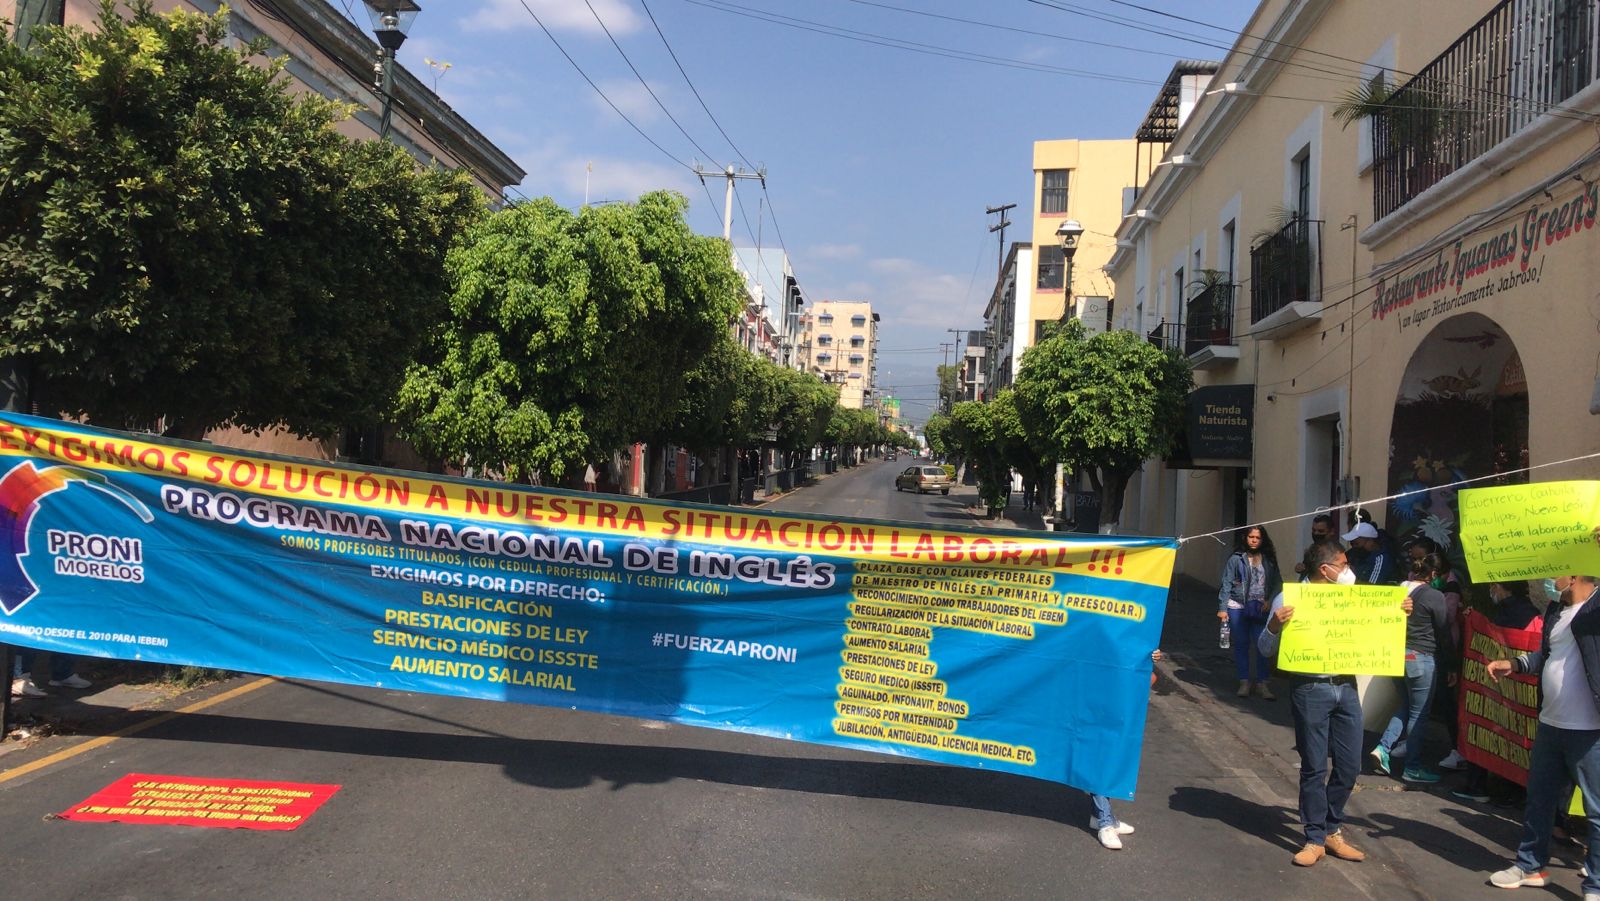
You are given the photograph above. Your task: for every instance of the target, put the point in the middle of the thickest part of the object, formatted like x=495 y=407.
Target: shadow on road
x=1457 y=847
x=570 y=764
x=1274 y=825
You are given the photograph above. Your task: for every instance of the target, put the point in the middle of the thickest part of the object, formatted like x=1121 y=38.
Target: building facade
x=842 y=337
x=1390 y=301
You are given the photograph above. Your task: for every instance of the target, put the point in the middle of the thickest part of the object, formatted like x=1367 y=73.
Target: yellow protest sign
x=1516 y=532
x=1344 y=630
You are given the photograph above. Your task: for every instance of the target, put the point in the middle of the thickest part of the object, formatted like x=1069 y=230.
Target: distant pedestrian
x=591 y=479
x=1430 y=653
x=1029 y=491
x=1566 y=743
x=1327 y=722
x=62 y=674
x=1250 y=580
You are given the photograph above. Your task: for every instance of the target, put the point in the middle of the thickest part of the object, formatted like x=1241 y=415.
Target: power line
x=664 y=151
x=649 y=90
x=913 y=46
x=692 y=88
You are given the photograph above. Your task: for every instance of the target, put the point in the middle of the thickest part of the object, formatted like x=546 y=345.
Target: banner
x=1022 y=652
x=1344 y=630
x=206 y=802
x=1497 y=719
x=1515 y=532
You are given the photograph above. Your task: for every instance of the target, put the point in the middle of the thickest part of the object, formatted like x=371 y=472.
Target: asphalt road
x=443 y=797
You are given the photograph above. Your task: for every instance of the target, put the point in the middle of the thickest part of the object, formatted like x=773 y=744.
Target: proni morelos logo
x=21 y=490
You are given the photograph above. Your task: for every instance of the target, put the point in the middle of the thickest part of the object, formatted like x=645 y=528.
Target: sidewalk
x=1438 y=844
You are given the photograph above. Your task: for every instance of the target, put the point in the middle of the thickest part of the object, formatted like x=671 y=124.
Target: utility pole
x=1000 y=265
x=944 y=401
x=961 y=372
x=730 y=173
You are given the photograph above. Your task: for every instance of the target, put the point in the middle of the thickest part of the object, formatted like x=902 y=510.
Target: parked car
x=923 y=478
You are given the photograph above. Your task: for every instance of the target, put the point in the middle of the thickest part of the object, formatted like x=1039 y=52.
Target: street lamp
x=391 y=19
x=1068 y=234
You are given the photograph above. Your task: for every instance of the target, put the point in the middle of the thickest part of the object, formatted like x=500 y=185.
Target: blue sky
x=879 y=161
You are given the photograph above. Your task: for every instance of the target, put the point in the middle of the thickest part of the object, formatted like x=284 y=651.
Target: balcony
x=1208 y=338
x=1286 y=280
x=1167 y=336
x=1519 y=61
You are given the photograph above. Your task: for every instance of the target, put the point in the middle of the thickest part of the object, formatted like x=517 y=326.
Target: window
x=824 y=358
x=857 y=359
x=1302 y=182
x=825 y=340
x=1053 y=194
x=857 y=341
x=1228 y=249
x=825 y=319
x=1052 y=269
x=858 y=320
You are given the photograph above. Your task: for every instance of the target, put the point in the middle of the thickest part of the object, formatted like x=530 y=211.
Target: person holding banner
x=1566 y=743
x=1327 y=721
x=1515 y=611
x=1250 y=580
x=1430 y=652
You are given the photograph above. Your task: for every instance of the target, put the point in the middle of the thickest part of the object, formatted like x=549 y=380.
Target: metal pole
x=387 y=62
x=727 y=209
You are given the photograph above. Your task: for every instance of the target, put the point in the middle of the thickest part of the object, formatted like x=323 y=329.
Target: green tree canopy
x=183 y=236
x=937 y=433
x=1103 y=404
x=568 y=335
x=949 y=387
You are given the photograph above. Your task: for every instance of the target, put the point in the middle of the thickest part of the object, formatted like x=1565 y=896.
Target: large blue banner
x=1015 y=651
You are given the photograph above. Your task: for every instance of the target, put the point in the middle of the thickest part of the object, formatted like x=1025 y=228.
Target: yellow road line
x=104 y=740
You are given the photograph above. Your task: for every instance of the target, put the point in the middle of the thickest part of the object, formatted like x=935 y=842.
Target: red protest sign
x=1497 y=719
x=195 y=801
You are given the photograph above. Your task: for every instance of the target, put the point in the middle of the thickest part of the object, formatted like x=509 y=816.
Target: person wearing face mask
x=1566 y=744
x=1321 y=532
x=1430 y=646
x=1327 y=720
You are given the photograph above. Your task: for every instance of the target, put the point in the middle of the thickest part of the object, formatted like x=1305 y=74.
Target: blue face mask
x=1550 y=588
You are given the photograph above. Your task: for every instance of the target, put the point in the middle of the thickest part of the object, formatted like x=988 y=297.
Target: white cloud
x=630 y=96
x=834 y=252
x=557 y=15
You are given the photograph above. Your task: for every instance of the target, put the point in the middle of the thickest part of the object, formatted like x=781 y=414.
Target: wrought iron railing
x=1208 y=321
x=1167 y=336
x=1285 y=267
x=1516 y=63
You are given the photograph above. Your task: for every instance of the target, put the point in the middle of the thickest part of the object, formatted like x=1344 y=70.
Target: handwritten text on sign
x=1344 y=630
x=1516 y=532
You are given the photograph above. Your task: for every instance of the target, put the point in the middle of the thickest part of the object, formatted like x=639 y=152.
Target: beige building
x=841 y=337
x=1384 y=308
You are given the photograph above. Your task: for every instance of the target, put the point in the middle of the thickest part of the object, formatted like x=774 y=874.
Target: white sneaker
x=1512 y=877
x=24 y=688
x=1453 y=761
x=1110 y=839
x=1121 y=827
x=72 y=681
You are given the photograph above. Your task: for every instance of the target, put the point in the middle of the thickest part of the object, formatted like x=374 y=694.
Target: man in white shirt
x=1566 y=745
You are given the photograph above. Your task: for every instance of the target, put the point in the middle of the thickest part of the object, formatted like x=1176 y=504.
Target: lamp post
x=1068 y=233
x=391 y=19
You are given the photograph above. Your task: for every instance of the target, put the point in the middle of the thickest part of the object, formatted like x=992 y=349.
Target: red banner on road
x=1497 y=719
x=193 y=801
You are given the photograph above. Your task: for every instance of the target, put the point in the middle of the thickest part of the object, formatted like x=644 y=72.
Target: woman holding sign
x=1430 y=644
x=1250 y=580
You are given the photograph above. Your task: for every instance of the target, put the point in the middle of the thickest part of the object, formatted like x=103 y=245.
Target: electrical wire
x=664 y=151
x=913 y=46
x=692 y=88
x=649 y=90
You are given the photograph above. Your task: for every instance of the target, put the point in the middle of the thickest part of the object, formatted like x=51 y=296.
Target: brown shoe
x=1308 y=855
x=1342 y=849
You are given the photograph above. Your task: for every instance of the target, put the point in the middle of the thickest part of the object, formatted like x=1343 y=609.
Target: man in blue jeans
x=1327 y=719
x=1566 y=746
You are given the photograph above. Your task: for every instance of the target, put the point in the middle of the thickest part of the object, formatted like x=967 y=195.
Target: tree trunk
x=1115 y=483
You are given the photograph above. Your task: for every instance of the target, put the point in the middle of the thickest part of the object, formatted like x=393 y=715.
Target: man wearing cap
x=1327 y=722
x=1373 y=563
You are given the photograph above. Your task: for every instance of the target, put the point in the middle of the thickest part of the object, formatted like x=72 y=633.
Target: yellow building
x=1384 y=307
x=842 y=337
x=1072 y=179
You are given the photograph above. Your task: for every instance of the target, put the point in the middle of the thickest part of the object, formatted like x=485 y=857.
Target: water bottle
x=1224 y=640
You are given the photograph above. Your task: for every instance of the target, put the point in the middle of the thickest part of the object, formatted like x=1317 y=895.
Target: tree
x=183 y=236
x=937 y=433
x=949 y=387
x=569 y=335
x=1102 y=404
x=977 y=433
